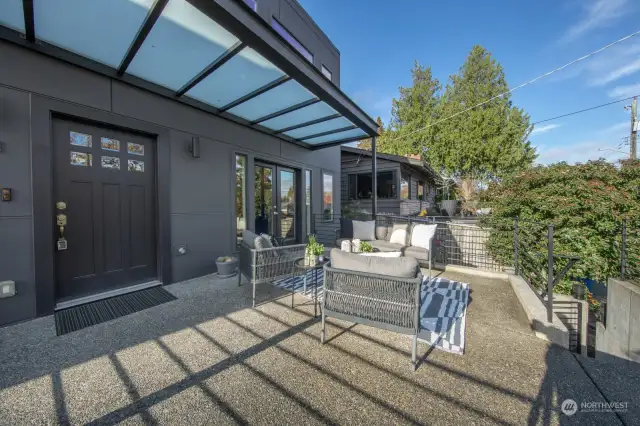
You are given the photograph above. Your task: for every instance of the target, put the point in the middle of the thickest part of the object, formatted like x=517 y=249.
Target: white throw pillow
x=399 y=236
x=422 y=234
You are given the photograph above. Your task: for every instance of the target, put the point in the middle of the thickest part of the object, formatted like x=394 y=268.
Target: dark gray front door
x=104 y=185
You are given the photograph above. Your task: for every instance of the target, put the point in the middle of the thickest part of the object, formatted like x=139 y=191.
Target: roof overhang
x=216 y=55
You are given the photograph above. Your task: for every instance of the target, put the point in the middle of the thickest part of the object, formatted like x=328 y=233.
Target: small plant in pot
x=313 y=250
x=227 y=266
x=366 y=247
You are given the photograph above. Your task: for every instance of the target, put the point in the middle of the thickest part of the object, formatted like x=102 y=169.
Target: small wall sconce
x=194 y=147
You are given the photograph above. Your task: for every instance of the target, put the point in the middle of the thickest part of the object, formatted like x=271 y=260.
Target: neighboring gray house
x=138 y=138
x=406 y=185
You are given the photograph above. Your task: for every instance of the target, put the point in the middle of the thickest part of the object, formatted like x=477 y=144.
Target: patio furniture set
x=372 y=289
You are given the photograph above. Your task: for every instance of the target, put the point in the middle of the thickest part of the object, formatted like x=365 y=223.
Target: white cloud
x=545 y=129
x=615 y=74
x=621 y=128
x=596 y=14
x=625 y=91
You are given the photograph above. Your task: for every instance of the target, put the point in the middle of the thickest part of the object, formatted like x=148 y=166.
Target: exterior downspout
x=374 y=178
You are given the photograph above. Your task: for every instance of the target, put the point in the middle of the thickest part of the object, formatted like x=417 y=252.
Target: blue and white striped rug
x=443 y=309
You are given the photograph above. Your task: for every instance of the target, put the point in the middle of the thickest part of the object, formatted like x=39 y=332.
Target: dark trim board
x=43 y=111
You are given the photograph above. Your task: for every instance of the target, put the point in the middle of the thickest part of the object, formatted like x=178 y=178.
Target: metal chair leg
x=254 y=295
x=323 y=332
x=414 y=352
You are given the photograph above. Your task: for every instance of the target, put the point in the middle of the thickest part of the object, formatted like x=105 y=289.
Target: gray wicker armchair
x=267 y=265
x=381 y=301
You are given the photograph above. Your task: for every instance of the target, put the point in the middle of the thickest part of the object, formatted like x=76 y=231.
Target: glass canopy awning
x=216 y=55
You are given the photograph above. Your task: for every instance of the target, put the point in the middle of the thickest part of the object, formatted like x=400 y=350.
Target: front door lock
x=61 y=222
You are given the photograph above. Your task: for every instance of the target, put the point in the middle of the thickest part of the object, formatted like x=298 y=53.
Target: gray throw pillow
x=249 y=238
x=364 y=231
x=268 y=240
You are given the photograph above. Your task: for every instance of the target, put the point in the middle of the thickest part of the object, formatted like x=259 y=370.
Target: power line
x=582 y=110
x=520 y=86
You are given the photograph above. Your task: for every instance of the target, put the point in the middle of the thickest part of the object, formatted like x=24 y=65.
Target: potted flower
x=227 y=266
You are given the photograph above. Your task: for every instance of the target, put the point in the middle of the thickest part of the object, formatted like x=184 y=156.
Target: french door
x=276 y=203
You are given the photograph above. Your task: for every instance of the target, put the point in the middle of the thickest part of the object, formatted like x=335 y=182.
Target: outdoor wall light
x=194 y=147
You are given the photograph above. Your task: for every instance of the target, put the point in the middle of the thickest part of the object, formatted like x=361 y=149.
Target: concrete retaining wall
x=620 y=337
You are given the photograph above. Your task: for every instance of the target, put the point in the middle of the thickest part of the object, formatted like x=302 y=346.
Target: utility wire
x=583 y=110
x=521 y=86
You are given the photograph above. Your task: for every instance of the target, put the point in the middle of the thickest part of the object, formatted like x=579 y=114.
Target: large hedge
x=586 y=203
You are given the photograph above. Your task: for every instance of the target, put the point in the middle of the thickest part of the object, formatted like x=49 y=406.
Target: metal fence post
x=550 y=273
x=515 y=245
x=623 y=250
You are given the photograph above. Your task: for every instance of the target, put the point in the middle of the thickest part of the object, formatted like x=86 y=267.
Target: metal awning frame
x=241 y=21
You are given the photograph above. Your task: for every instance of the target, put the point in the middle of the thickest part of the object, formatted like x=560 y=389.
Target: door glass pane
x=263 y=205
x=307 y=201
x=136 y=166
x=327 y=196
x=110 y=162
x=135 y=148
x=110 y=144
x=81 y=159
x=241 y=196
x=80 y=139
x=287 y=206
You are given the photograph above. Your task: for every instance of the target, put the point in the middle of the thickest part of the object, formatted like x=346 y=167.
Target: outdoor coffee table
x=298 y=268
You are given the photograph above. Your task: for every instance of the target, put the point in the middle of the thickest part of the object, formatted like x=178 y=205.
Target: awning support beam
x=220 y=61
x=259 y=91
x=29 y=22
x=308 y=123
x=374 y=178
x=329 y=132
x=287 y=110
x=143 y=32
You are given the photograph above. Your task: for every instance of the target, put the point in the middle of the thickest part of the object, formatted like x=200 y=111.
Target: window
x=253 y=4
x=327 y=196
x=307 y=199
x=326 y=72
x=291 y=39
x=360 y=186
x=420 y=190
x=241 y=196
x=404 y=186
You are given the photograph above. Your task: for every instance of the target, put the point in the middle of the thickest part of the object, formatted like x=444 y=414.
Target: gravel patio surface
x=209 y=358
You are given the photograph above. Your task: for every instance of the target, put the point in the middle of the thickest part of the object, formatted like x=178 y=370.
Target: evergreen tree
x=488 y=142
x=366 y=143
x=416 y=107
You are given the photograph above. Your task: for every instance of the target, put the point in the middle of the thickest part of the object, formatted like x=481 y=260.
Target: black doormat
x=82 y=316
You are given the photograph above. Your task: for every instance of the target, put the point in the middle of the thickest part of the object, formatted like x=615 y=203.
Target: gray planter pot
x=227 y=269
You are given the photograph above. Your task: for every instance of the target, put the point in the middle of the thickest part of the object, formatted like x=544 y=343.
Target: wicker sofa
x=375 y=291
x=265 y=265
x=384 y=228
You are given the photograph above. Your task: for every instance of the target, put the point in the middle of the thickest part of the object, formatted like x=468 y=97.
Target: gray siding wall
x=201 y=190
x=393 y=206
x=296 y=20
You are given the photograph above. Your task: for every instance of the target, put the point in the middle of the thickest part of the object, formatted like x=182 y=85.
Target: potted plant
x=313 y=250
x=227 y=266
x=366 y=247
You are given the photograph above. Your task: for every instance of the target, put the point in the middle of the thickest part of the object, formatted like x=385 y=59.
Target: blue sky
x=378 y=44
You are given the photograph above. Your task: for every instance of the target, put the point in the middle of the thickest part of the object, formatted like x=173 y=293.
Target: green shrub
x=586 y=203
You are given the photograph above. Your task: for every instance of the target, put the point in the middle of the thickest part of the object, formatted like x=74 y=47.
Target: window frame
x=394 y=178
x=286 y=34
x=308 y=199
x=331 y=213
x=323 y=67
x=244 y=190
